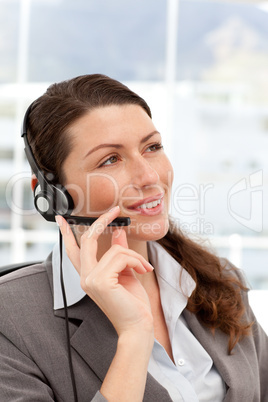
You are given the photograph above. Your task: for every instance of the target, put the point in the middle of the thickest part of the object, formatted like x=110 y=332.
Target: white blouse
x=193 y=377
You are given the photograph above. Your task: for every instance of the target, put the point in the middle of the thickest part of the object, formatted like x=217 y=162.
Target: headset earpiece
x=50 y=199
x=41 y=201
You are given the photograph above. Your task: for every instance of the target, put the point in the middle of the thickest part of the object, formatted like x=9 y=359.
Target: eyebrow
x=118 y=146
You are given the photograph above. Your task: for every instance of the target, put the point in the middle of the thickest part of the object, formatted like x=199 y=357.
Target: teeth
x=150 y=204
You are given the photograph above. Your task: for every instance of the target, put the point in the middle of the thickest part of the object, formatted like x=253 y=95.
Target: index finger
x=98 y=227
x=119 y=237
x=89 y=239
x=70 y=243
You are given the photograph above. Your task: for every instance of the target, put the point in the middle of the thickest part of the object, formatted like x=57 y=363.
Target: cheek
x=166 y=174
x=102 y=193
x=98 y=194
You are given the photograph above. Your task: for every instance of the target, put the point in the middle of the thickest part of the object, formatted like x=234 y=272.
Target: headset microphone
x=52 y=199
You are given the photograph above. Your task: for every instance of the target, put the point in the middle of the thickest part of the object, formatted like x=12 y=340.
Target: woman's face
x=117 y=159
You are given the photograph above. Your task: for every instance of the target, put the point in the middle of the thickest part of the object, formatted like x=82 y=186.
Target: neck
x=105 y=241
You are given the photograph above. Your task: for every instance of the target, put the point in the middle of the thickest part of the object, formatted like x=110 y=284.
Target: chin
x=148 y=231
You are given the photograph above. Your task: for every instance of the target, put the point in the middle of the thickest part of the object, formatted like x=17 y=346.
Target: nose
x=143 y=173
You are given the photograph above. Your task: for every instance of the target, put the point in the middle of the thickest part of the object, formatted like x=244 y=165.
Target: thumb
x=119 y=237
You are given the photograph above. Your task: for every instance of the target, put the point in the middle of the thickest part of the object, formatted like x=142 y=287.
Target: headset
x=51 y=199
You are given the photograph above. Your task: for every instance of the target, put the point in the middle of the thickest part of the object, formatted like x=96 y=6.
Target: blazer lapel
x=96 y=340
x=234 y=368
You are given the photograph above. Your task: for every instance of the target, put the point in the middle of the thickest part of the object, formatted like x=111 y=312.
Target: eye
x=155 y=147
x=110 y=161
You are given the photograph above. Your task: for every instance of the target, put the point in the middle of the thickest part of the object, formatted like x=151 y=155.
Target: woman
x=151 y=315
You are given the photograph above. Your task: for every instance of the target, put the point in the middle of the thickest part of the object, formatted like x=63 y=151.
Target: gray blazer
x=33 y=358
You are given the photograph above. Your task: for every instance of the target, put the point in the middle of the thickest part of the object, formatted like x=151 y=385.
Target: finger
x=125 y=262
x=89 y=240
x=96 y=281
x=71 y=247
x=98 y=227
x=119 y=237
x=111 y=256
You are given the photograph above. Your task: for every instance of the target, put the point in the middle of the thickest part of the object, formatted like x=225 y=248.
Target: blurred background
x=203 y=68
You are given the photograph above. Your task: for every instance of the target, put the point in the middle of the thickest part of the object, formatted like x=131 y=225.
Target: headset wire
x=67 y=323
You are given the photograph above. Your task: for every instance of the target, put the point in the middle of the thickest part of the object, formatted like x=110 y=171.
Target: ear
x=34 y=181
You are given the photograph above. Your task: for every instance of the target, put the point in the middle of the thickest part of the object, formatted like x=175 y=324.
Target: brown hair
x=60 y=106
x=217 y=299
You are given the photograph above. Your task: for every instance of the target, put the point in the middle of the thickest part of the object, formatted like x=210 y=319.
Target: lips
x=149 y=205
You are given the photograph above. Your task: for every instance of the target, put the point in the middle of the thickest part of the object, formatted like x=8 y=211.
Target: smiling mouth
x=150 y=205
x=149 y=208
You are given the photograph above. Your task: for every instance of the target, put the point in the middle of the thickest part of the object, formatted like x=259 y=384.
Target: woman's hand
x=111 y=282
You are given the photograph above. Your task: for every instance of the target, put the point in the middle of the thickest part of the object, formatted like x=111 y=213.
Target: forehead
x=111 y=123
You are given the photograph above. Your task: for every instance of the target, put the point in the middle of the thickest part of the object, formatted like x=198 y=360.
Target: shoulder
x=239 y=277
x=25 y=271
x=26 y=301
x=26 y=286
x=231 y=269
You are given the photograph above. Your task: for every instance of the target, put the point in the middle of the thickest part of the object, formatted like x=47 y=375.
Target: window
x=203 y=68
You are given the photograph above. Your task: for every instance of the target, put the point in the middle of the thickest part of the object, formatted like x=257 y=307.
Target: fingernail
x=114 y=208
x=58 y=220
x=150 y=265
